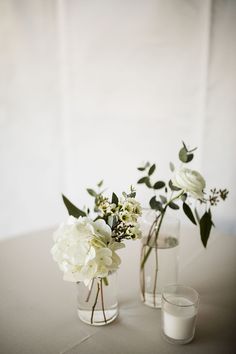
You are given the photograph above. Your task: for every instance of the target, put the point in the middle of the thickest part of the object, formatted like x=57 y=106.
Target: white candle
x=179 y=319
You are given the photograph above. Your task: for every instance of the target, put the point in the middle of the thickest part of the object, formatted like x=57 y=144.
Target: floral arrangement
x=85 y=245
x=185 y=185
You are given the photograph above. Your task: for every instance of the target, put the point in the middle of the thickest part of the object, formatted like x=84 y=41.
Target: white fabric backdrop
x=89 y=89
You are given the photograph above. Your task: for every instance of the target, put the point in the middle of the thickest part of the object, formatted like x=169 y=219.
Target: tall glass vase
x=97 y=303
x=159 y=256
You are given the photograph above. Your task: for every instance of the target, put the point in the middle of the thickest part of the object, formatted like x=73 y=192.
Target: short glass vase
x=97 y=303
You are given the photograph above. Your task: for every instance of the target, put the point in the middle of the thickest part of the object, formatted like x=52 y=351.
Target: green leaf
x=114 y=199
x=183 y=154
x=173 y=206
x=154 y=204
x=188 y=212
x=197 y=215
x=91 y=192
x=148 y=183
x=205 y=227
x=159 y=185
x=163 y=199
x=105 y=281
x=141 y=168
x=72 y=209
x=184 y=197
x=172 y=166
x=189 y=157
x=100 y=183
x=172 y=187
x=142 y=180
x=151 y=169
x=110 y=221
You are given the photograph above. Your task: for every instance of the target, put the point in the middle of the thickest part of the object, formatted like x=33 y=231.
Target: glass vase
x=97 y=303
x=159 y=256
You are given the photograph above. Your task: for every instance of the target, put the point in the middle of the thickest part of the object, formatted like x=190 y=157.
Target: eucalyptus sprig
x=184 y=185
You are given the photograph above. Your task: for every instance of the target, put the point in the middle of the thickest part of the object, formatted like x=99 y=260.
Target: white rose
x=189 y=181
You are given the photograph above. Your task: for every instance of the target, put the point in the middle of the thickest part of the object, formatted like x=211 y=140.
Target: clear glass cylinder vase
x=97 y=303
x=159 y=255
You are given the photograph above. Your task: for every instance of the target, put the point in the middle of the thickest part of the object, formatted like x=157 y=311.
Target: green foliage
x=188 y=212
x=100 y=184
x=205 y=227
x=163 y=199
x=142 y=180
x=159 y=185
x=152 y=169
x=172 y=166
x=186 y=155
x=114 y=199
x=173 y=205
x=155 y=204
x=72 y=209
x=91 y=192
x=172 y=187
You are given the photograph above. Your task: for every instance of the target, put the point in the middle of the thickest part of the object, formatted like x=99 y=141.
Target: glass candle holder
x=179 y=313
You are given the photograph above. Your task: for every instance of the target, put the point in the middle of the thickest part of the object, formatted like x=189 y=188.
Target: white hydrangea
x=84 y=249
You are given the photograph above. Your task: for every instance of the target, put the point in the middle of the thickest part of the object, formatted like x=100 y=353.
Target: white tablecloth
x=38 y=309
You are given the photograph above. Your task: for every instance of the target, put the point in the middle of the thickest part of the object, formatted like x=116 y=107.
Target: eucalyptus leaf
x=141 y=168
x=159 y=185
x=100 y=183
x=205 y=227
x=183 y=155
x=188 y=212
x=173 y=206
x=172 y=187
x=91 y=192
x=172 y=166
x=197 y=215
x=154 y=204
x=72 y=209
x=184 y=197
x=148 y=183
x=151 y=169
x=189 y=157
x=142 y=180
x=163 y=199
x=114 y=199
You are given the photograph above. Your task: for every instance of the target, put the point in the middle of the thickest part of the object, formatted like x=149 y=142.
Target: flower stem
x=155 y=278
x=159 y=226
x=103 y=309
x=90 y=291
x=95 y=303
x=142 y=274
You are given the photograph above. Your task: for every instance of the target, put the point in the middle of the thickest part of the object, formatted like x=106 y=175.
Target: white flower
x=189 y=181
x=134 y=231
x=132 y=206
x=84 y=249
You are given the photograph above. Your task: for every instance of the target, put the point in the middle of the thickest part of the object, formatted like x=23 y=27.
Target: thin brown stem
x=102 y=298
x=142 y=274
x=90 y=291
x=95 y=303
x=155 y=278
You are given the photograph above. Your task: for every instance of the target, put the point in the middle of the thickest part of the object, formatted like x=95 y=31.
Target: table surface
x=38 y=309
